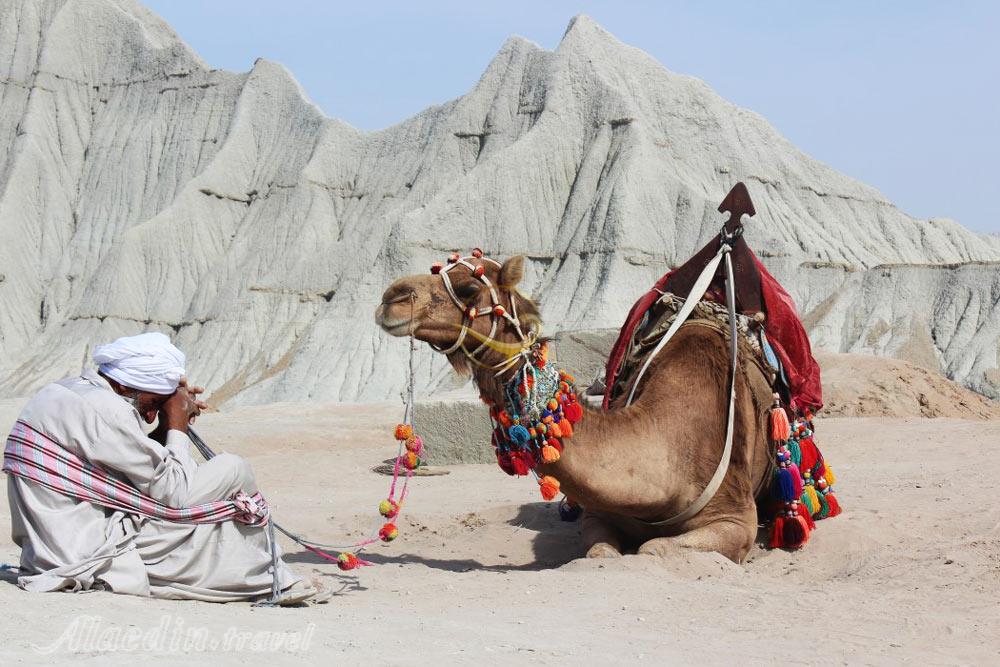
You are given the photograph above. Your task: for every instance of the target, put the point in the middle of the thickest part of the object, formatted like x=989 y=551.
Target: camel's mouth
x=398 y=328
x=394 y=327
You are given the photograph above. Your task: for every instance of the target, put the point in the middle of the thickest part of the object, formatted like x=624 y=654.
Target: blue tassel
x=519 y=434
x=783 y=488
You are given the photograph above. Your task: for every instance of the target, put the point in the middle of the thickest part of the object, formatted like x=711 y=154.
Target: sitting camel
x=631 y=466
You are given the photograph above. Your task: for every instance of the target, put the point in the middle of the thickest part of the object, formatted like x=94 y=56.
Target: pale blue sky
x=903 y=95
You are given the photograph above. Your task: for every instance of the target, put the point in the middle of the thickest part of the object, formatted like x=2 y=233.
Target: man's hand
x=179 y=410
x=194 y=392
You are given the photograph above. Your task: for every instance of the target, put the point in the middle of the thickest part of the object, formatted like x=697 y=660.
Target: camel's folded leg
x=601 y=539
x=730 y=536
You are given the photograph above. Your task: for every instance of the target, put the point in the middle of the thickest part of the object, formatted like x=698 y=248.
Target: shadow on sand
x=554 y=544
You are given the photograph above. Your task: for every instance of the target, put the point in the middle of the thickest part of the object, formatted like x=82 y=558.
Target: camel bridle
x=497 y=312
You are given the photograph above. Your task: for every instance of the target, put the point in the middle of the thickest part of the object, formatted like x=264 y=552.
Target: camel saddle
x=764 y=309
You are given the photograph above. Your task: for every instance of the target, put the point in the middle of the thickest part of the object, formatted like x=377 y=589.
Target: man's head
x=144 y=369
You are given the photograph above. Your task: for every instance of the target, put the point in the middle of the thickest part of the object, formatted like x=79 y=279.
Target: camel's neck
x=602 y=465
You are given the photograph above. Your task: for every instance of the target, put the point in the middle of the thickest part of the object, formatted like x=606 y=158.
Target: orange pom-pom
x=403 y=431
x=555 y=430
x=415 y=444
x=388 y=532
x=549 y=487
x=388 y=508
x=410 y=460
x=550 y=454
x=566 y=426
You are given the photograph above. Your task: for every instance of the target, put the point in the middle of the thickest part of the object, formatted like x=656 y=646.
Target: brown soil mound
x=864 y=386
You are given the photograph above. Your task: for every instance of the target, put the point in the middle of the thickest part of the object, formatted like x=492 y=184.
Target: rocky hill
x=141 y=189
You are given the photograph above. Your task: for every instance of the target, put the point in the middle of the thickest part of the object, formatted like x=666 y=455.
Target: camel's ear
x=512 y=272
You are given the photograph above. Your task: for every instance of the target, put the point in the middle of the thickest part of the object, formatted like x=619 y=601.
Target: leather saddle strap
x=720 y=472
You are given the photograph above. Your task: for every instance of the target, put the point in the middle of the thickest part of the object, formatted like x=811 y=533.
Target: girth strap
x=697 y=292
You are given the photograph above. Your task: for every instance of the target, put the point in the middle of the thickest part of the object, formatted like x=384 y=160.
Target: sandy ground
x=484 y=573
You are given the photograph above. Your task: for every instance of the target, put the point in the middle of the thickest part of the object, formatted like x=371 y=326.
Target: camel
x=628 y=467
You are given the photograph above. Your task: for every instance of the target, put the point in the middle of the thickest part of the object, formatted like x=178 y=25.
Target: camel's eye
x=467 y=291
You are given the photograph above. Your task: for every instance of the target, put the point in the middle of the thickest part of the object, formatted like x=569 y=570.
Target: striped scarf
x=34 y=456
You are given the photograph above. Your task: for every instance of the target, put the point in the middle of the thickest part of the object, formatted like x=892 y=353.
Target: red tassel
x=777 y=528
x=795 y=532
x=573 y=412
x=831 y=500
x=506 y=463
x=520 y=465
x=810 y=454
x=804 y=513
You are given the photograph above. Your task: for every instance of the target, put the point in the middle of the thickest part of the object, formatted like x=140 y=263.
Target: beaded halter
x=496 y=311
x=540 y=406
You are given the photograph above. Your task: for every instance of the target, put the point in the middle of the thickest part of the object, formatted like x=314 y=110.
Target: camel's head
x=467 y=307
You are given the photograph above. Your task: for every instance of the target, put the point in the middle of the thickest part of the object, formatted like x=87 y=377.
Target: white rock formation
x=140 y=189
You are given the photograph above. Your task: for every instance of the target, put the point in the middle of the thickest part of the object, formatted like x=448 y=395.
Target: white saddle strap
x=697 y=292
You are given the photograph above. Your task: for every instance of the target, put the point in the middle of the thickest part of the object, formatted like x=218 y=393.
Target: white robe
x=69 y=544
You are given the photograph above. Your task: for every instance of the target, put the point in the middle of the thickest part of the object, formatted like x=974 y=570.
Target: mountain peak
x=275 y=232
x=585 y=32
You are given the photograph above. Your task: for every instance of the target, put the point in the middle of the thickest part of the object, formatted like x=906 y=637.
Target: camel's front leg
x=730 y=536
x=601 y=539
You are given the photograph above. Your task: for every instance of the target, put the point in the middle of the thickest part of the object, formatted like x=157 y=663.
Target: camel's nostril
x=398 y=297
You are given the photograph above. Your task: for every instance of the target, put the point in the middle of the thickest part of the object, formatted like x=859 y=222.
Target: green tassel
x=808 y=502
x=795 y=451
x=824 y=507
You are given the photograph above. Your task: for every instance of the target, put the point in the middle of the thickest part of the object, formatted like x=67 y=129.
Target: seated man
x=94 y=422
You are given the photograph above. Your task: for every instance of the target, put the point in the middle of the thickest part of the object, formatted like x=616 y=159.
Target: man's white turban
x=147 y=362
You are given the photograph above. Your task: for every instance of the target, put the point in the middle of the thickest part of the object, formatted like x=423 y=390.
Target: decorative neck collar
x=538 y=413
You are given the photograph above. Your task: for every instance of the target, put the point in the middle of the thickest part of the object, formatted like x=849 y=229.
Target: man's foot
x=297 y=593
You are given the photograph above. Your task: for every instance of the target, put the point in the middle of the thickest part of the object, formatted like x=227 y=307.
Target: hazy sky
x=903 y=95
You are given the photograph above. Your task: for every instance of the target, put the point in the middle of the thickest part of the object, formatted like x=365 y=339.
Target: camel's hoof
x=603 y=550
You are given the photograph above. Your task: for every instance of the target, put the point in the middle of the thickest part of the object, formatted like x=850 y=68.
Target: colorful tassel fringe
x=802 y=486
